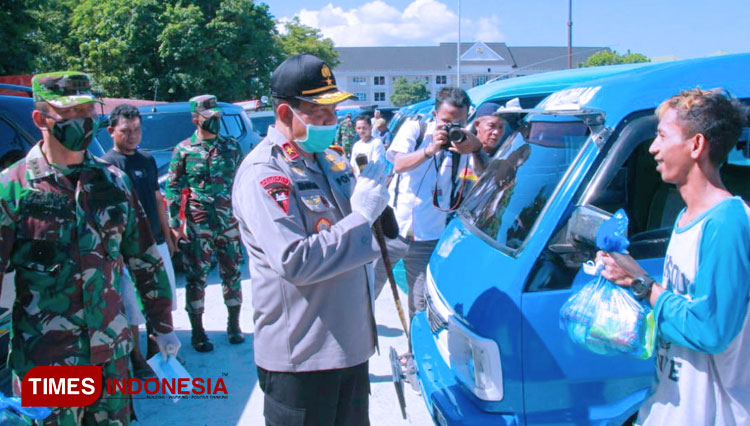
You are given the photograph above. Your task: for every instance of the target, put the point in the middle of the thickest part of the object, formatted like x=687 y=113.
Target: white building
x=369 y=72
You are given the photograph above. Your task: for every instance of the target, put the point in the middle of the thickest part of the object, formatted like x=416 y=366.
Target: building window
x=479 y=80
x=359 y=80
x=441 y=79
x=379 y=80
x=379 y=96
x=361 y=96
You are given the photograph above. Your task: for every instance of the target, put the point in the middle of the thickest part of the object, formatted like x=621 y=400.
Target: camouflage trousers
x=110 y=409
x=204 y=242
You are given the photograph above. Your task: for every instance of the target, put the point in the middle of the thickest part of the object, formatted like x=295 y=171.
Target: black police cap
x=308 y=78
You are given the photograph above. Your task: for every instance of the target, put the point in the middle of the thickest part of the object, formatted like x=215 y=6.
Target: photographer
x=429 y=165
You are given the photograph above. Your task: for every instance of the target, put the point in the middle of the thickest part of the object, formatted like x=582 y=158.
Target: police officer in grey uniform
x=306 y=225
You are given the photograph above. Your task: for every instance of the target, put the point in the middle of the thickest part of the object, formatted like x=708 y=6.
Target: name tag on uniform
x=43 y=204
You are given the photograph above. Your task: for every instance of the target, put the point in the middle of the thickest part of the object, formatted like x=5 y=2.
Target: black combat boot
x=233 y=325
x=199 y=340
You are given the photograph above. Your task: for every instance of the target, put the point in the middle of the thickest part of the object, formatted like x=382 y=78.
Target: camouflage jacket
x=67 y=243
x=345 y=134
x=206 y=169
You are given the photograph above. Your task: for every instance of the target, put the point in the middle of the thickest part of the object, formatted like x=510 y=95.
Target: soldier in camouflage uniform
x=205 y=164
x=68 y=223
x=346 y=135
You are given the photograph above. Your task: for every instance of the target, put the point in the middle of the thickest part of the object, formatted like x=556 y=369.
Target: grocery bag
x=604 y=317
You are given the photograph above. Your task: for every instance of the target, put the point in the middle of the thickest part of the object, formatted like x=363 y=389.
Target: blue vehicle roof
x=417 y=107
x=645 y=88
x=175 y=107
x=529 y=85
x=546 y=82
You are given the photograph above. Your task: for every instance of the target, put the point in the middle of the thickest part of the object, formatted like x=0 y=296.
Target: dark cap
x=307 y=78
x=486 y=109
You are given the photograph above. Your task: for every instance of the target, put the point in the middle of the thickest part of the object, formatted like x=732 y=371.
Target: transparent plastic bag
x=12 y=413
x=604 y=317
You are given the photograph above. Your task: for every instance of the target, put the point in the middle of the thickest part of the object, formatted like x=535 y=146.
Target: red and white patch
x=278 y=188
x=290 y=151
x=322 y=225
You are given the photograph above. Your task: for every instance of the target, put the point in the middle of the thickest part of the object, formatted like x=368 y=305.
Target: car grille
x=437 y=322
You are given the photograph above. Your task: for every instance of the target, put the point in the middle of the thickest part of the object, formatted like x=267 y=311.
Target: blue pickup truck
x=489 y=348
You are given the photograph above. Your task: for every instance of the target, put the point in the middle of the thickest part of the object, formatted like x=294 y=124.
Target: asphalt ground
x=234 y=365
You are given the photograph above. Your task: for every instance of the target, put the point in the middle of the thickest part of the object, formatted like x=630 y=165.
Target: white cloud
x=376 y=23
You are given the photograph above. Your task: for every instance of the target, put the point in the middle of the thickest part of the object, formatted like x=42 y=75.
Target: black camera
x=455 y=133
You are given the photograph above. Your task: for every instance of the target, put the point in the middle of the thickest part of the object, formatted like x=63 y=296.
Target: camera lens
x=456 y=134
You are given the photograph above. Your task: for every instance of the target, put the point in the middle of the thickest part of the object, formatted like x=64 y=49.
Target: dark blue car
x=166 y=125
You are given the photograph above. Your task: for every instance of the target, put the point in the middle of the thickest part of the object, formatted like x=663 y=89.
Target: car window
x=12 y=145
x=164 y=131
x=262 y=123
x=232 y=125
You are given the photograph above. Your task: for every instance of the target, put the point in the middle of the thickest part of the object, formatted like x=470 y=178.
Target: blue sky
x=683 y=28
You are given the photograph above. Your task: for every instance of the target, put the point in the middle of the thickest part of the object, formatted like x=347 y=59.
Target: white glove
x=370 y=194
x=168 y=344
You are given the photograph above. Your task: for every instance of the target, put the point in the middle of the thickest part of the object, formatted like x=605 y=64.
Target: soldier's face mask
x=318 y=138
x=211 y=125
x=74 y=134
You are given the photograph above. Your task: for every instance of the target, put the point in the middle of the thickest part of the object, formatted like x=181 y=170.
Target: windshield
x=509 y=196
x=164 y=131
x=262 y=122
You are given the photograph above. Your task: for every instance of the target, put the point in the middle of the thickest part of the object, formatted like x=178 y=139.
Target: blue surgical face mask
x=318 y=138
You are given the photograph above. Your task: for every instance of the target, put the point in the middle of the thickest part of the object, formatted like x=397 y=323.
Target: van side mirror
x=580 y=230
x=584 y=224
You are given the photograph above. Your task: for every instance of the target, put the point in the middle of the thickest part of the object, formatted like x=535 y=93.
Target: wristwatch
x=641 y=287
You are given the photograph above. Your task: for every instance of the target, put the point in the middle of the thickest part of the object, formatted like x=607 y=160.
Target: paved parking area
x=234 y=364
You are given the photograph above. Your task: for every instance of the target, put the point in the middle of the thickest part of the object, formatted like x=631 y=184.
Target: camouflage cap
x=63 y=89
x=205 y=105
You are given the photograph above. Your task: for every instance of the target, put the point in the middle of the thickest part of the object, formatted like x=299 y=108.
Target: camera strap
x=457 y=191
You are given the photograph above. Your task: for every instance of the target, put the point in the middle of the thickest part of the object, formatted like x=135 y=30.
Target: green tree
x=228 y=49
x=300 y=38
x=58 y=47
x=405 y=93
x=611 y=57
x=118 y=42
x=18 y=49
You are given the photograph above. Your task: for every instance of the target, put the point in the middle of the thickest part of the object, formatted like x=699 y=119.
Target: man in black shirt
x=125 y=130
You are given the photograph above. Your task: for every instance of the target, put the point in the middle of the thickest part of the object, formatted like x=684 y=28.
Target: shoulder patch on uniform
x=277 y=187
x=290 y=151
x=322 y=224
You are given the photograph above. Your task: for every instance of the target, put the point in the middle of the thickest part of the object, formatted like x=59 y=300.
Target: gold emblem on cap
x=326 y=73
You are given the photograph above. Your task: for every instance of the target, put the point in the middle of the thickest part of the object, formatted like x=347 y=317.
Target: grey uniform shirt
x=309 y=259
